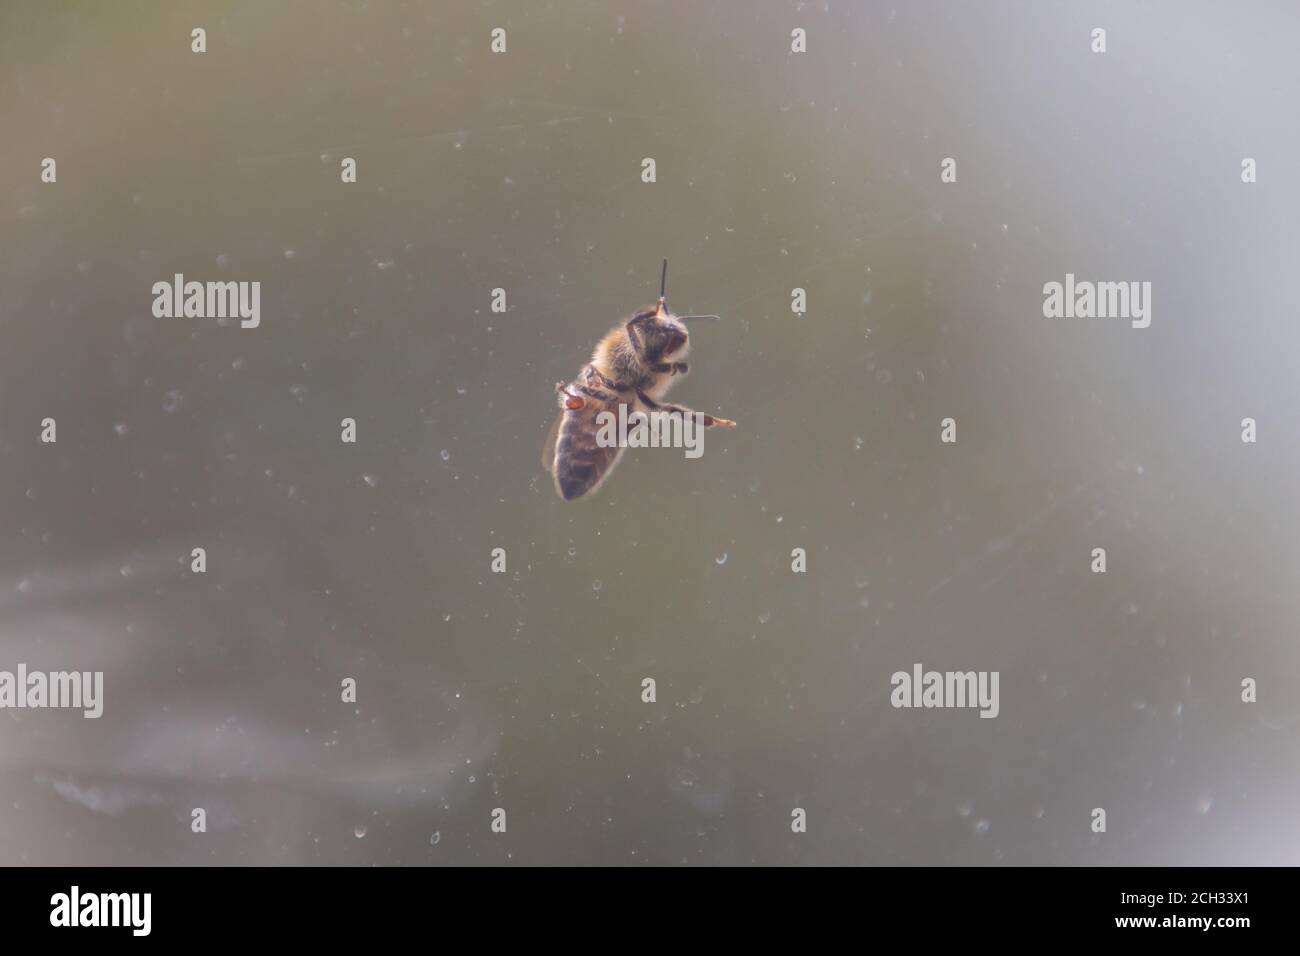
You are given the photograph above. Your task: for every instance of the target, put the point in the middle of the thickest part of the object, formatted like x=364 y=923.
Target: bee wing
x=548 y=448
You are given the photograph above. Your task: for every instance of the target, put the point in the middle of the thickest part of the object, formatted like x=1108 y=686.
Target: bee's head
x=658 y=335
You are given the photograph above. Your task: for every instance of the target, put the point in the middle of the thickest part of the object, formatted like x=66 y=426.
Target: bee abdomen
x=573 y=479
x=580 y=463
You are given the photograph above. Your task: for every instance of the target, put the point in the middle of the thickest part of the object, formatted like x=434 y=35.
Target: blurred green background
x=522 y=690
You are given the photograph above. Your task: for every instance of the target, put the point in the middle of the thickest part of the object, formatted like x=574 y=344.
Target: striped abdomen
x=580 y=463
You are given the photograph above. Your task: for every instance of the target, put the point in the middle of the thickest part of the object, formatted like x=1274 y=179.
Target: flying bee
x=634 y=365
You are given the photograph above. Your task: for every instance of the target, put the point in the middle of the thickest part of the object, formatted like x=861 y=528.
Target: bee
x=634 y=365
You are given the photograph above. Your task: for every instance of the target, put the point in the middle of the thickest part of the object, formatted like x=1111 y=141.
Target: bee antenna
x=687 y=318
x=663 y=280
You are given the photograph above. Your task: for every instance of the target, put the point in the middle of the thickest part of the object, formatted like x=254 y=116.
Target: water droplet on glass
x=126 y=571
x=289 y=253
x=765 y=617
x=172 y=401
x=722 y=559
x=444 y=455
x=1203 y=804
x=981 y=826
x=121 y=428
x=371 y=480
x=359 y=831
x=572 y=550
x=436 y=838
x=596 y=585
x=857 y=443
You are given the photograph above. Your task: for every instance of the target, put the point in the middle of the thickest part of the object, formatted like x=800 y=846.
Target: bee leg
x=634 y=336
x=709 y=420
x=595 y=373
x=595 y=393
x=571 y=401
